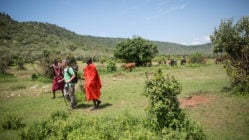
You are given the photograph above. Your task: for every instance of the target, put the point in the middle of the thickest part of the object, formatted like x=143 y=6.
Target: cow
x=205 y=61
x=129 y=66
x=173 y=62
x=218 y=61
x=183 y=61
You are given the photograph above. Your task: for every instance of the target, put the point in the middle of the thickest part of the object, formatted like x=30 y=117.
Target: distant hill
x=37 y=36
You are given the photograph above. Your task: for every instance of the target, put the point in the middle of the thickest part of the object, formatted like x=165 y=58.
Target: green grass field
x=225 y=116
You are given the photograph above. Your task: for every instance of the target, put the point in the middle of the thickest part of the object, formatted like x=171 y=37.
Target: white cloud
x=164 y=8
x=200 y=40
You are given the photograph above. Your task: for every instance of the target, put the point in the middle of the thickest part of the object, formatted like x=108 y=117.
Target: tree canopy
x=136 y=50
x=233 y=40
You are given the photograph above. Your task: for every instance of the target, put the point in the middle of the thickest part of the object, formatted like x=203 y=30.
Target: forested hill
x=37 y=36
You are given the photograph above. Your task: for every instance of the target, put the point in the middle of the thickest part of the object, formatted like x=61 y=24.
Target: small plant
x=12 y=121
x=163 y=113
x=59 y=115
x=111 y=66
x=163 y=110
x=34 y=76
x=41 y=78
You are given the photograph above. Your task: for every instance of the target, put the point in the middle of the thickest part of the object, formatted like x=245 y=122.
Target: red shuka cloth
x=58 y=76
x=92 y=82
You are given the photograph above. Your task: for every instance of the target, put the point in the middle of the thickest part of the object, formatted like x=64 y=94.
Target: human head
x=64 y=63
x=89 y=61
x=55 y=62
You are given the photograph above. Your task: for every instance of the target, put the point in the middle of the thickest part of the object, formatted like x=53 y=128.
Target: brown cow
x=183 y=61
x=129 y=66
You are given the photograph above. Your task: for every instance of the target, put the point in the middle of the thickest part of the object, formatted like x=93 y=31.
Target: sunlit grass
x=224 y=117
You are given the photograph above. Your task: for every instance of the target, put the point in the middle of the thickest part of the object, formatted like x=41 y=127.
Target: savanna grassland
x=222 y=116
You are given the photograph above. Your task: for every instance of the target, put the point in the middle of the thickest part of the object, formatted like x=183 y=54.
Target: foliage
x=111 y=66
x=72 y=47
x=196 y=58
x=233 y=40
x=163 y=112
x=163 y=109
x=36 y=36
x=161 y=59
x=6 y=60
x=123 y=126
x=12 y=121
x=136 y=50
x=59 y=115
x=41 y=78
x=46 y=59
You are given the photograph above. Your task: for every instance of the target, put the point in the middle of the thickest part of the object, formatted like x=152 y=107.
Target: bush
x=240 y=88
x=123 y=126
x=163 y=109
x=41 y=78
x=163 y=113
x=196 y=58
x=111 y=66
x=6 y=60
x=59 y=115
x=34 y=76
x=12 y=121
x=232 y=40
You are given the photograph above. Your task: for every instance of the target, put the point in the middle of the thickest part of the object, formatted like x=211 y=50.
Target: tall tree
x=136 y=50
x=233 y=40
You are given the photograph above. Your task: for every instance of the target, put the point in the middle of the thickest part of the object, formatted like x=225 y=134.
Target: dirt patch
x=194 y=101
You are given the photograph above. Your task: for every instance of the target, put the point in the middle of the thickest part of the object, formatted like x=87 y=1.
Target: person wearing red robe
x=92 y=83
x=57 y=71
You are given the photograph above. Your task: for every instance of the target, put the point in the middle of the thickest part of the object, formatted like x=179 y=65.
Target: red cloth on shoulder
x=92 y=82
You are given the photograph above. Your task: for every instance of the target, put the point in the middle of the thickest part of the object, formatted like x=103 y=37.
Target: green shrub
x=6 y=60
x=163 y=113
x=194 y=132
x=12 y=121
x=196 y=58
x=59 y=115
x=40 y=78
x=163 y=109
x=123 y=126
x=241 y=88
x=111 y=66
x=34 y=76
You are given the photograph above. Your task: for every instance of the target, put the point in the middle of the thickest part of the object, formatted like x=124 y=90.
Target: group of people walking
x=64 y=76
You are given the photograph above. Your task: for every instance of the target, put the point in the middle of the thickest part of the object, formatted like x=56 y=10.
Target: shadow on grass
x=82 y=105
x=101 y=106
x=104 y=105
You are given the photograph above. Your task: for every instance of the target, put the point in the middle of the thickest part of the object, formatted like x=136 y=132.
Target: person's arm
x=71 y=79
x=60 y=80
x=73 y=75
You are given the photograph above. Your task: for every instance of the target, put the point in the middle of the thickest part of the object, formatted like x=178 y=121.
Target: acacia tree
x=136 y=50
x=233 y=40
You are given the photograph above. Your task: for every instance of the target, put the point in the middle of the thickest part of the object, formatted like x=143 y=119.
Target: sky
x=188 y=22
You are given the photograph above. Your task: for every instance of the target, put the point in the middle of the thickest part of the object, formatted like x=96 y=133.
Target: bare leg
x=62 y=91
x=53 y=95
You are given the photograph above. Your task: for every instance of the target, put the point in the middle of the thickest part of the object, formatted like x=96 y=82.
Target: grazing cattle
x=205 y=61
x=129 y=66
x=218 y=61
x=183 y=61
x=172 y=62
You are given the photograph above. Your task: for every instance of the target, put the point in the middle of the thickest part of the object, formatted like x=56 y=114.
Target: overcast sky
x=187 y=22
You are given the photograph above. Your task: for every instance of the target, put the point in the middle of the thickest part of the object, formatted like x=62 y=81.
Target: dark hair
x=89 y=60
x=55 y=61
